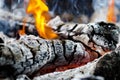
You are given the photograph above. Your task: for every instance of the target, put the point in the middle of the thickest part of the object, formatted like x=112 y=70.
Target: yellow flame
x=111 y=17
x=40 y=13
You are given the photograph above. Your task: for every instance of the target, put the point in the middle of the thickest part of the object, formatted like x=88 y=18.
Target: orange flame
x=40 y=13
x=22 y=31
x=111 y=17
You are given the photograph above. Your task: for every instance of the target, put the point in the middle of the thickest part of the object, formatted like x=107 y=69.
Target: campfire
x=40 y=45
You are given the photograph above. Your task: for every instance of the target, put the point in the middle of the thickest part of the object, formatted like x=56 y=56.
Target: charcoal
x=30 y=54
x=108 y=66
x=29 y=28
x=100 y=34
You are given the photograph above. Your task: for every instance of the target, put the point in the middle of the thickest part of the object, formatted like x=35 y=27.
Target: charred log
x=30 y=53
x=99 y=36
x=107 y=67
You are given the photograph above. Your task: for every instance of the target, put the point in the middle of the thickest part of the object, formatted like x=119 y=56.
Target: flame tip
x=40 y=13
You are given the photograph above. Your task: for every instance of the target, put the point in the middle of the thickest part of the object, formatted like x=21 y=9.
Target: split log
x=29 y=54
x=101 y=37
x=107 y=66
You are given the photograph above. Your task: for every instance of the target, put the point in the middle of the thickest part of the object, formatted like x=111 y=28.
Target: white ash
x=30 y=53
x=102 y=34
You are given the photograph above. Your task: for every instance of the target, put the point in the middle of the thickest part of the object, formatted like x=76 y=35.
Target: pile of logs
x=77 y=45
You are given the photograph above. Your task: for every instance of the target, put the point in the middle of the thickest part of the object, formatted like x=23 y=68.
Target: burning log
x=106 y=66
x=30 y=53
x=101 y=36
x=77 y=45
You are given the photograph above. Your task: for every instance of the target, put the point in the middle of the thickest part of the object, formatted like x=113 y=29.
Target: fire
x=22 y=31
x=111 y=17
x=40 y=13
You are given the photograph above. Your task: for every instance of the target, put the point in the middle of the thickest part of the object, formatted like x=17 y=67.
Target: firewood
x=77 y=45
x=29 y=54
x=107 y=67
x=100 y=36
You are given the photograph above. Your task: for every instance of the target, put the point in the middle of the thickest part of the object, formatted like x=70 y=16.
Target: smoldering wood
x=30 y=53
x=69 y=74
x=100 y=36
x=106 y=66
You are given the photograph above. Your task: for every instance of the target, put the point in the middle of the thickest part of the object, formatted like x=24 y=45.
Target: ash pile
x=80 y=52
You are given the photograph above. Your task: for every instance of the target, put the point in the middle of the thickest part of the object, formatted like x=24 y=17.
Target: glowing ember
x=40 y=13
x=111 y=17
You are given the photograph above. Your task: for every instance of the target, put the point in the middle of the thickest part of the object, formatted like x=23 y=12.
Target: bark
x=30 y=54
x=77 y=45
x=107 y=66
x=101 y=36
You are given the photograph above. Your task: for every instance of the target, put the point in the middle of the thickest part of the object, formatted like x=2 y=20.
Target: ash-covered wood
x=100 y=36
x=30 y=53
x=107 y=67
x=77 y=45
